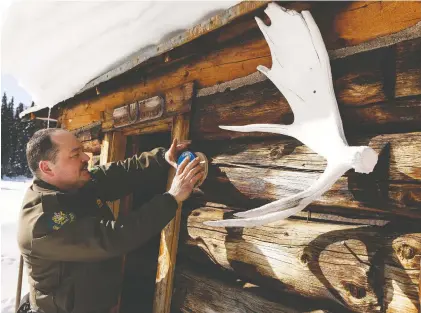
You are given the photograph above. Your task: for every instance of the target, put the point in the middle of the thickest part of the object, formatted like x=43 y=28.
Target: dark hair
x=41 y=147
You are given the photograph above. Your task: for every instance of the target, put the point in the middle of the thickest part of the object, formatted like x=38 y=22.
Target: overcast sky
x=12 y=89
x=8 y=83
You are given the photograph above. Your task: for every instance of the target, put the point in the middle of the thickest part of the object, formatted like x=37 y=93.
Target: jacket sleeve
x=117 y=179
x=92 y=238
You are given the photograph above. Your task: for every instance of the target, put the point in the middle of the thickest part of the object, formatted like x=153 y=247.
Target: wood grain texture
x=408 y=68
x=169 y=235
x=250 y=173
x=92 y=146
x=347 y=264
x=113 y=149
x=263 y=103
x=365 y=20
x=160 y=126
x=199 y=292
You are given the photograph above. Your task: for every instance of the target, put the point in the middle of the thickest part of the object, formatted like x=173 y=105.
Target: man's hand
x=186 y=177
x=173 y=152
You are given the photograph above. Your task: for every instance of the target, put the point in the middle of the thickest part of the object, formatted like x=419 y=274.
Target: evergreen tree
x=29 y=128
x=15 y=134
x=19 y=158
x=11 y=134
x=5 y=140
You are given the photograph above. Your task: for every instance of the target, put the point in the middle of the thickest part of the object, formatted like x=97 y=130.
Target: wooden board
x=88 y=132
x=357 y=22
x=161 y=126
x=92 y=146
x=113 y=149
x=169 y=235
x=360 y=267
x=249 y=173
x=240 y=58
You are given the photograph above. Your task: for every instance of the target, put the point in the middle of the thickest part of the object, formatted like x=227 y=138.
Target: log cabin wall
x=358 y=247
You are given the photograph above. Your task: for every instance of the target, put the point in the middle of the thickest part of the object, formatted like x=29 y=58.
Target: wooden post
x=113 y=149
x=169 y=235
x=19 y=285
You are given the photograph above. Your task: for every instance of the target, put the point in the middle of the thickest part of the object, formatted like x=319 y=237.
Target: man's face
x=70 y=169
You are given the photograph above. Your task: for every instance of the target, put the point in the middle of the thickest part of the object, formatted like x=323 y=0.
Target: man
x=68 y=237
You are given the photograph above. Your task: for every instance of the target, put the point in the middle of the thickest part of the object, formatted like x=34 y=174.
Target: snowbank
x=12 y=191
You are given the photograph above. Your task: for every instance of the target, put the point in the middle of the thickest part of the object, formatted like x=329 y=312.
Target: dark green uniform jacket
x=71 y=243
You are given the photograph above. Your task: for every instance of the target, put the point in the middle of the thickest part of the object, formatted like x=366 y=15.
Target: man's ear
x=45 y=168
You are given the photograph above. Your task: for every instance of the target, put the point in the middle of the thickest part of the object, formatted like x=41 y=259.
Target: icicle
x=48 y=120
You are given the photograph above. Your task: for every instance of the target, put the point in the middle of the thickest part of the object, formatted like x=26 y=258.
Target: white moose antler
x=301 y=71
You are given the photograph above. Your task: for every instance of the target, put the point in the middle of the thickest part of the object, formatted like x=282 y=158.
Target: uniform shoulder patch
x=99 y=203
x=59 y=219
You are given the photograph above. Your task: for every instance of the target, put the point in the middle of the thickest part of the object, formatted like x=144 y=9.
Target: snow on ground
x=12 y=191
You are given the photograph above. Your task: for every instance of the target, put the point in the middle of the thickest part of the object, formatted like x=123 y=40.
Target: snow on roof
x=55 y=48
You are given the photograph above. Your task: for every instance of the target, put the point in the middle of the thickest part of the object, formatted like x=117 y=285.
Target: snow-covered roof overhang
x=59 y=49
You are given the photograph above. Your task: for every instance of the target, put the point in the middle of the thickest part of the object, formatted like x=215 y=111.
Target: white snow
x=12 y=191
x=53 y=48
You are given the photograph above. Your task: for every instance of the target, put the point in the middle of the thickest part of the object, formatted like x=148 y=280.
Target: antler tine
x=305 y=80
x=265 y=128
x=257 y=221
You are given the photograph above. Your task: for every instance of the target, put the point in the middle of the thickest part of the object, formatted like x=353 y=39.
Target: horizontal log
x=408 y=68
x=92 y=146
x=250 y=173
x=88 y=132
x=363 y=268
x=349 y=20
x=263 y=103
x=357 y=22
x=160 y=126
x=215 y=64
x=201 y=293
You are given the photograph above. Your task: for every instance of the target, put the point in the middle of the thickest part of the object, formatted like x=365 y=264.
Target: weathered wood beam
x=88 y=132
x=170 y=234
x=263 y=103
x=92 y=146
x=238 y=60
x=408 y=68
x=113 y=149
x=160 y=126
x=205 y=293
x=363 y=268
x=249 y=173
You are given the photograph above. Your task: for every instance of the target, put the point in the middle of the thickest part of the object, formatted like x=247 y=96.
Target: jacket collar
x=43 y=186
x=40 y=185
